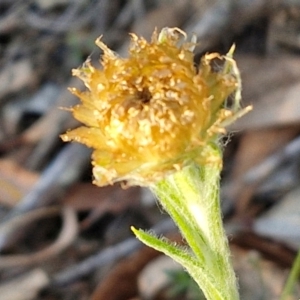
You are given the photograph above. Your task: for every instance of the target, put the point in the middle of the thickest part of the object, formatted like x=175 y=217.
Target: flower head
x=152 y=113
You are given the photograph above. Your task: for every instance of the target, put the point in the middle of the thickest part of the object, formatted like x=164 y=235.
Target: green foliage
x=191 y=197
x=183 y=286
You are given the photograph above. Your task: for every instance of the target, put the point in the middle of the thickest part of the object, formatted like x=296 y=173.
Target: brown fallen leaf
x=15 y=182
x=109 y=199
x=86 y=196
x=273 y=88
x=124 y=275
x=254 y=146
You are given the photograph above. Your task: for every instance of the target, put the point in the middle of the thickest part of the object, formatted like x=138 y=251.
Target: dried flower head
x=152 y=113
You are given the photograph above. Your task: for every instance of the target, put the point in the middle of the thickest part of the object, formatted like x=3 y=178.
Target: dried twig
x=63 y=171
x=107 y=256
x=227 y=17
x=66 y=237
x=75 y=17
x=269 y=165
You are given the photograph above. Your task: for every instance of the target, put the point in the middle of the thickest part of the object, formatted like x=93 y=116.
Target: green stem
x=191 y=197
x=292 y=279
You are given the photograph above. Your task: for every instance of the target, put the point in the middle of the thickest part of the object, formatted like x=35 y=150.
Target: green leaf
x=183 y=257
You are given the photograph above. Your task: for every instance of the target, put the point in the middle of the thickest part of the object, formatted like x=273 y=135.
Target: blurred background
x=63 y=238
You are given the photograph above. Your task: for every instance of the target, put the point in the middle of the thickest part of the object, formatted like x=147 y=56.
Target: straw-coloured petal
x=152 y=113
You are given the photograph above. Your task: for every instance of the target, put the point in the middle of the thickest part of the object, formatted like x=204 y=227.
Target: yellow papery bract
x=152 y=113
